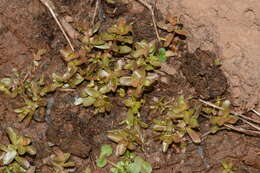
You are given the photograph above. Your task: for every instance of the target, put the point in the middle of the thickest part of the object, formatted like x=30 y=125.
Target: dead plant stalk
x=242 y=117
x=50 y=6
x=151 y=8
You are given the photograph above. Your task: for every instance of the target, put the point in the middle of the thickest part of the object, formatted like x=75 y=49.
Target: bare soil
x=26 y=26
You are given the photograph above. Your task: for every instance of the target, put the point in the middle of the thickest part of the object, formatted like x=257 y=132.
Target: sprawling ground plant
x=111 y=63
x=12 y=157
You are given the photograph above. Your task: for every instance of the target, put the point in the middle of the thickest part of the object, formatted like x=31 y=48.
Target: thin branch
x=243 y=117
x=257 y=113
x=95 y=12
x=151 y=8
x=251 y=124
x=49 y=4
x=248 y=132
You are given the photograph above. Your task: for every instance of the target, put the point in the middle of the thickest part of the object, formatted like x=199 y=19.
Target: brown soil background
x=228 y=29
x=232 y=30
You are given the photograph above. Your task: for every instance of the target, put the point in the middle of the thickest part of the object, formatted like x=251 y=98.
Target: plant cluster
x=59 y=162
x=220 y=117
x=109 y=64
x=130 y=163
x=12 y=158
x=178 y=120
x=228 y=167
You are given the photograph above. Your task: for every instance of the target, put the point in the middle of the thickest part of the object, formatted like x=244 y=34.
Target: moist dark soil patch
x=204 y=74
x=75 y=129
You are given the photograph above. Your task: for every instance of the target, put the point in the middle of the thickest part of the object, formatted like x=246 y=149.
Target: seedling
x=132 y=163
x=94 y=97
x=178 y=121
x=106 y=151
x=125 y=139
x=220 y=117
x=60 y=162
x=12 y=159
x=227 y=167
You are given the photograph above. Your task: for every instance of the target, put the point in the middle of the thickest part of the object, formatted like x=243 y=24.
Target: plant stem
x=49 y=4
x=242 y=117
x=239 y=129
x=257 y=113
x=95 y=12
x=151 y=8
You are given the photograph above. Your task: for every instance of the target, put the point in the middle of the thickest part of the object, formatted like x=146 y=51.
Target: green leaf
x=106 y=150
x=124 y=49
x=88 y=101
x=146 y=168
x=101 y=162
x=90 y=92
x=9 y=157
x=140 y=166
x=103 y=46
x=162 y=55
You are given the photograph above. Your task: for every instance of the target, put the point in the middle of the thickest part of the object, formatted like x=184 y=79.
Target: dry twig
x=239 y=129
x=257 y=113
x=49 y=4
x=95 y=12
x=151 y=8
x=242 y=117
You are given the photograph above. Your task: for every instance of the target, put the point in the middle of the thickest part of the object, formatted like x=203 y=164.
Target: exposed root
x=151 y=8
x=49 y=4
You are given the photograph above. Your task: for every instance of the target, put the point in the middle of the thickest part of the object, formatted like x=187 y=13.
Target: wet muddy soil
x=26 y=26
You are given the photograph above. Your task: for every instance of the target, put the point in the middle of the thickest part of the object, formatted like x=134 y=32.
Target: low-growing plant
x=12 y=159
x=220 y=117
x=106 y=151
x=125 y=139
x=228 y=167
x=60 y=162
x=178 y=121
x=130 y=162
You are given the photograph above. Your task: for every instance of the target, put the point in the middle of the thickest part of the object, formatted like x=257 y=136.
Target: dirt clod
x=203 y=74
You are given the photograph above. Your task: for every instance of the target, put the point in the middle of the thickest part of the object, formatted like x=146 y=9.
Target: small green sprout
x=59 y=162
x=227 y=167
x=179 y=120
x=12 y=159
x=125 y=139
x=161 y=105
x=162 y=55
x=132 y=163
x=27 y=111
x=93 y=97
x=221 y=117
x=139 y=80
x=106 y=151
x=8 y=86
x=134 y=106
x=121 y=28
